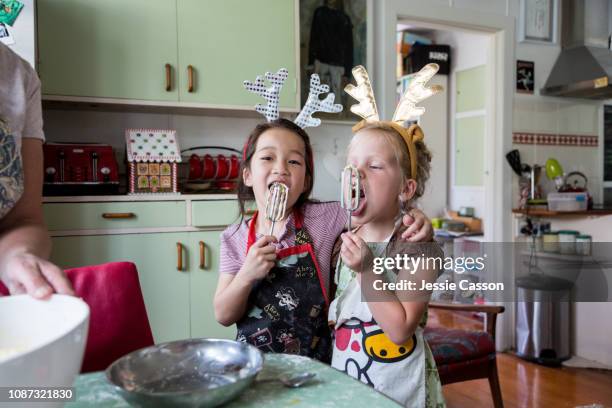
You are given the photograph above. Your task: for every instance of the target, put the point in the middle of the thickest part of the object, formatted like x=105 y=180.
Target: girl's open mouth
x=362 y=203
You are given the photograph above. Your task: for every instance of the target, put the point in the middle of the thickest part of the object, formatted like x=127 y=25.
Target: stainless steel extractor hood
x=584 y=67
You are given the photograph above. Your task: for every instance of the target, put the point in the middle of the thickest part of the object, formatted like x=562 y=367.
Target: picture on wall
x=333 y=39
x=538 y=21
x=524 y=76
x=5 y=35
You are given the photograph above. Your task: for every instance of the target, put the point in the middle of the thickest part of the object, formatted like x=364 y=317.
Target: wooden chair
x=463 y=355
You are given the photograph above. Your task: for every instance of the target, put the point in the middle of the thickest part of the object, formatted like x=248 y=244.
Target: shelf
x=547 y=213
x=138 y=197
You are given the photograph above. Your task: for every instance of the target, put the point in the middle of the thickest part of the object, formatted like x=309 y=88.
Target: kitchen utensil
x=80 y=169
x=209 y=167
x=535 y=179
x=195 y=167
x=276 y=203
x=186 y=373
x=291 y=381
x=572 y=182
x=514 y=159
x=350 y=191
x=554 y=172
x=41 y=341
x=223 y=168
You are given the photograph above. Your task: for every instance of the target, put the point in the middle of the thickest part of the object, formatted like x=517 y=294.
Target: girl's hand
x=355 y=253
x=419 y=227
x=260 y=259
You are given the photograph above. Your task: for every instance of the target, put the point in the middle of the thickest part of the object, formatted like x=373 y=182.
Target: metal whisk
x=276 y=203
x=350 y=191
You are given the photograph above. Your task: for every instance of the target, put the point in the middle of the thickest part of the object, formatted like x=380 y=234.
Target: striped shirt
x=324 y=221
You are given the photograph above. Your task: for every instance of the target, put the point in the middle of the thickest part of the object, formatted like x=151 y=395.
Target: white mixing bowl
x=41 y=341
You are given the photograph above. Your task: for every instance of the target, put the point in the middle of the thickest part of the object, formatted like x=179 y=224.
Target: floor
x=526 y=384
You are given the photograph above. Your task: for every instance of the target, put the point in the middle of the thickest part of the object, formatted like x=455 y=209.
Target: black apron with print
x=287 y=310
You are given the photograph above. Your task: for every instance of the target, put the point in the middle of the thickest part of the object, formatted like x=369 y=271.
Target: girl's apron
x=11 y=171
x=361 y=349
x=287 y=310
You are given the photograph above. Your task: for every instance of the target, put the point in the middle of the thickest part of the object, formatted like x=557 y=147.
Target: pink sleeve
x=230 y=258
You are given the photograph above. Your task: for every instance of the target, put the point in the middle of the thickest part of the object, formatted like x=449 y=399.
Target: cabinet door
x=203 y=284
x=229 y=41
x=110 y=48
x=165 y=289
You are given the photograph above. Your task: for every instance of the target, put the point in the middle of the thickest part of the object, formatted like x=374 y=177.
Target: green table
x=330 y=389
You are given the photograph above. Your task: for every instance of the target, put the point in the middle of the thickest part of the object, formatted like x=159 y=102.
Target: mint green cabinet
x=120 y=49
x=226 y=42
x=107 y=49
x=178 y=302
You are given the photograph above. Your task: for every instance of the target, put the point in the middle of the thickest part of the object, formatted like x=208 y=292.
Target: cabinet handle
x=190 y=78
x=179 y=256
x=202 y=255
x=168 y=77
x=118 y=216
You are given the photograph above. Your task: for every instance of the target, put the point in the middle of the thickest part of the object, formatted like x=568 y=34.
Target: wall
x=109 y=127
x=23 y=32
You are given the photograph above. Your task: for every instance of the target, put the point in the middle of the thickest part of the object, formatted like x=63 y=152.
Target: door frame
x=500 y=97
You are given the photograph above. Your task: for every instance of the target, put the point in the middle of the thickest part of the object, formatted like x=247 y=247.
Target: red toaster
x=80 y=169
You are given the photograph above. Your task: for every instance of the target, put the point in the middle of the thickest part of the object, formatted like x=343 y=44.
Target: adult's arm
x=25 y=245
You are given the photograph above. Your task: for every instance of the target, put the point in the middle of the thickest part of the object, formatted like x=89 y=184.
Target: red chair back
x=118 y=322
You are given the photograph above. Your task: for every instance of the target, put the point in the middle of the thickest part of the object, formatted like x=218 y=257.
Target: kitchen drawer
x=214 y=213
x=113 y=215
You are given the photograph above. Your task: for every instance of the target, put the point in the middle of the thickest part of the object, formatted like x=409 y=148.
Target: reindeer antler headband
x=271 y=95
x=313 y=103
x=406 y=108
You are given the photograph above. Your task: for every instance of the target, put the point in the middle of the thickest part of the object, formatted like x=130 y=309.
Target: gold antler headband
x=406 y=108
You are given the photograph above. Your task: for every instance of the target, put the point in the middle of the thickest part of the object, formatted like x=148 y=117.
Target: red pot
x=223 y=168
x=195 y=167
x=209 y=167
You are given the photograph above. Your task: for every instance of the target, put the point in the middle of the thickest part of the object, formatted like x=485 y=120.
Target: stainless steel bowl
x=186 y=373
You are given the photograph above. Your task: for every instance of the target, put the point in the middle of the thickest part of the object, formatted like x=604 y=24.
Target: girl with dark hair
x=276 y=289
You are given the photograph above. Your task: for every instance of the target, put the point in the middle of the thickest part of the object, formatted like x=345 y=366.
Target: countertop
x=595 y=211
x=330 y=388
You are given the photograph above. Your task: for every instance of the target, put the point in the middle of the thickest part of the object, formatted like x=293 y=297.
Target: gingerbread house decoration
x=152 y=156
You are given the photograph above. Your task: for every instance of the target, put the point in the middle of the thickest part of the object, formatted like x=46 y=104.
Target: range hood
x=584 y=67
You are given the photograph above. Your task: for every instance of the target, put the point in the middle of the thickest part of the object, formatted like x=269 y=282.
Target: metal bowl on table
x=186 y=373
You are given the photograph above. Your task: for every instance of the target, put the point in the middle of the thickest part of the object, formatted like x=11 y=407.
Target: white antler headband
x=313 y=103
x=406 y=109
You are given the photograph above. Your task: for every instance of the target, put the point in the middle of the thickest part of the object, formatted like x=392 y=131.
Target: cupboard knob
x=179 y=256
x=118 y=216
x=168 y=77
x=190 y=78
x=202 y=255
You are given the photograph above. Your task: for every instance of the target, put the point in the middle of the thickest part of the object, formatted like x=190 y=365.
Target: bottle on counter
x=550 y=241
x=567 y=241
x=583 y=245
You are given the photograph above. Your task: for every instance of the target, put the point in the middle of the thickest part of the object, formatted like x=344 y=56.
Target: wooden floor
x=526 y=384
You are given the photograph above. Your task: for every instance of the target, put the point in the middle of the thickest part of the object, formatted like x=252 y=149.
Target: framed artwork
x=335 y=36
x=538 y=21
x=5 y=35
x=525 y=77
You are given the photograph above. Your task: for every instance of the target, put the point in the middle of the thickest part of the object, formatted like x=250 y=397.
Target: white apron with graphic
x=363 y=351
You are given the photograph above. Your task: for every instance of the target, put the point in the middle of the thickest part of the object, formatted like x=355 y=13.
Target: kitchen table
x=330 y=388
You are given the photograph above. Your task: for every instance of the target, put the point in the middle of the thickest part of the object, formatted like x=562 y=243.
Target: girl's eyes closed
x=295 y=162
